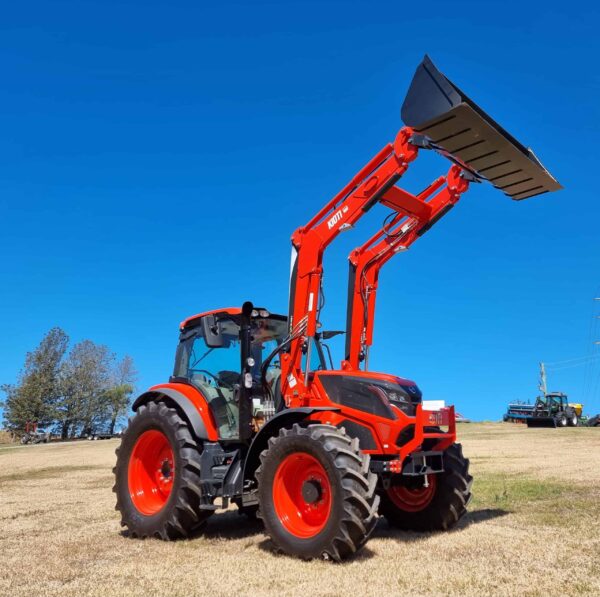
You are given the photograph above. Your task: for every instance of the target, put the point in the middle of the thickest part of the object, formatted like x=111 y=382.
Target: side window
x=216 y=367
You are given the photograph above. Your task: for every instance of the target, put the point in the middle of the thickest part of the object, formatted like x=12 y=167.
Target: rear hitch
x=417 y=464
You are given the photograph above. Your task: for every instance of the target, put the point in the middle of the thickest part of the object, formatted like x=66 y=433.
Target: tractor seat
x=226 y=413
x=275 y=384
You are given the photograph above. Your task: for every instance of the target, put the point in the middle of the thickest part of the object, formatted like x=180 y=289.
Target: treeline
x=74 y=392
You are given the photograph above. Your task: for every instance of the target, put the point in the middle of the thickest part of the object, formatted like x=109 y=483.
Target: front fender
x=286 y=418
x=190 y=401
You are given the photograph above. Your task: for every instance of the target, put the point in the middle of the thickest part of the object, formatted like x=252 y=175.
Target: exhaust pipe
x=461 y=130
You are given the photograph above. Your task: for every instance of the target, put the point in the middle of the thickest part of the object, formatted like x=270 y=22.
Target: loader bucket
x=460 y=129
x=541 y=422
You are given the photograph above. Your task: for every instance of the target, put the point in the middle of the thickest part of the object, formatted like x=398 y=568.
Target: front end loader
x=256 y=415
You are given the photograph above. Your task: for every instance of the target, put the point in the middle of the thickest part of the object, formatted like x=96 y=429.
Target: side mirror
x=213 y=335
x=326 y=335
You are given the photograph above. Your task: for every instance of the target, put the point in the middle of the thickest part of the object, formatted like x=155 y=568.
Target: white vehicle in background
x=438 y=405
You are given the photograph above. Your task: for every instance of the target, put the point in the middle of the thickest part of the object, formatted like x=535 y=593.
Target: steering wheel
x=208 y=374
x=218 y=378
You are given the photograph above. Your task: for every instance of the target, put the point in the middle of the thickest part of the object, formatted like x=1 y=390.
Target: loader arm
x=396 y=235
x=374 y=181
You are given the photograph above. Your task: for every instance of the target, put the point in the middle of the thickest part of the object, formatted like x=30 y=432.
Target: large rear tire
x=157 y=476
x=317 y=496
x=409 y=505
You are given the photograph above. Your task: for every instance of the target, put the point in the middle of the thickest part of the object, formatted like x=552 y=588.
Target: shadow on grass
x=232 y=525
x=223 y=525
x=269 y=547
x=386 y=531
x=481 y=515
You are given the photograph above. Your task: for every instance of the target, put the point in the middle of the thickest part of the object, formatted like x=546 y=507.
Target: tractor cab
x=553 y=410
x=210 y=358
x=553 y=403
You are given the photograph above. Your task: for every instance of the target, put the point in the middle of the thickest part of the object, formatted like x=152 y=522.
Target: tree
x=38 y=389
x=86 y=377
x=124 y=376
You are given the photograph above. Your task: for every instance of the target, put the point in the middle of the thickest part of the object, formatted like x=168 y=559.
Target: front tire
x=574 y=420
x=561 y=421
x=409 y=505
x=157 y=476
x=317 y=496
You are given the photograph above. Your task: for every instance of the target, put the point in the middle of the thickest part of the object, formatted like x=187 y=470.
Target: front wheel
x=438 y=504
x=316 y=493
x=561 y=421
x=158 y=475
x=574 y=421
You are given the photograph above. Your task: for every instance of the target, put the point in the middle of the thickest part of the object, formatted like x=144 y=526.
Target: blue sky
x=155 y=158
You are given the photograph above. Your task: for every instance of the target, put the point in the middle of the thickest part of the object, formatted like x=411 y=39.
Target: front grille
x=406 y=435
x=361 y=393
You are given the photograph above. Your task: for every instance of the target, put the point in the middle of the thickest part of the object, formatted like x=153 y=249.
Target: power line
x=590 y=375
x=580 y=360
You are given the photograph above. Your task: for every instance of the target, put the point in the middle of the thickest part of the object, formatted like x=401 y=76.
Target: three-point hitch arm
x=414 y=216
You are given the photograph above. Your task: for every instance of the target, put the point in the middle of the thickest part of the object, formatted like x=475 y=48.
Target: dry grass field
x=533 y=529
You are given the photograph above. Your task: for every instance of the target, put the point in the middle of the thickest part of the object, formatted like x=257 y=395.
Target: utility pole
x=543 y=387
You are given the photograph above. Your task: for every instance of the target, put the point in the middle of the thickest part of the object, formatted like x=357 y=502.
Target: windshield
x=320 y=356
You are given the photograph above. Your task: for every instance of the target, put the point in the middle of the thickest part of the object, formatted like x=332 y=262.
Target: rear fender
x=285 y=418
x=192 y=404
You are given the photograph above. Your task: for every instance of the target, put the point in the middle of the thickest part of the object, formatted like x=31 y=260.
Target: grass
x=532 y=530
x=44 y=473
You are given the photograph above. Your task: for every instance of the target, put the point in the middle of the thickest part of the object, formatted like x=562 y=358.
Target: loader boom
x=396 y=235
x=374 y=183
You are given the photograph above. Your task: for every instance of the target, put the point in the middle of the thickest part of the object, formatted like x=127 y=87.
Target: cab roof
x=229 y=310
x=190 y=321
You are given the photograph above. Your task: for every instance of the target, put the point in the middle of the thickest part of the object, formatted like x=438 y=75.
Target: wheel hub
x=312 y=491
x=166 y=469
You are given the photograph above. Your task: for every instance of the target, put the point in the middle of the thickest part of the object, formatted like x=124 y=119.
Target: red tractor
x=256 y=414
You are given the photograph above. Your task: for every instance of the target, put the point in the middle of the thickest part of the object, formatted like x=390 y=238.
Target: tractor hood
x=463 y=132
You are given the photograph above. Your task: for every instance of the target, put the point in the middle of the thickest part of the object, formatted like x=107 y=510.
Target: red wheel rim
x=413 y=499
x=151 y=472
x=302 y=495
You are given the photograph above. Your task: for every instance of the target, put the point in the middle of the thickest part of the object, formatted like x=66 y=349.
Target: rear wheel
x=411 y=504
x=317 y=496
x=158 y=475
